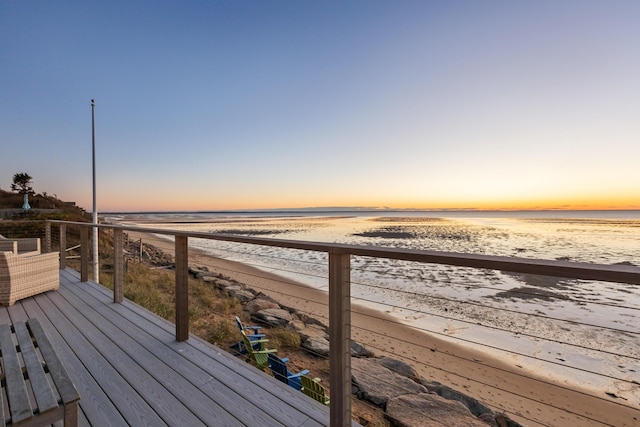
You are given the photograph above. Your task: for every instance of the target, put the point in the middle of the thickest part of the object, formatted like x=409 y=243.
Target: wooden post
x=47 y=237
x=71 y=414
x=63 y=246
x=118 y=266
x=340 y=339
x=140 y=247
x=182 y=289
x=84 y=254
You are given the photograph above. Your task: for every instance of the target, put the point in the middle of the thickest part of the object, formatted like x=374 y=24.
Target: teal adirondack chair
x=312 y=388
x=257 y=352
x=281 y=372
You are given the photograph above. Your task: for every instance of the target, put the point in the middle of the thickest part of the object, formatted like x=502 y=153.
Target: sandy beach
x=503 y=386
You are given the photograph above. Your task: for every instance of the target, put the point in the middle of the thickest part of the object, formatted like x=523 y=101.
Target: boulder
x=223 y=283
x=242 y=295
x=474 y=406
x=312 y=332
x=399 y=367
x=258 y=304
x=232 y=290
x=504 y=421
x=274 y=317
x=264 y=296
x=319 y=346
x=429 y=410
x=296 y=324
x=359 y=350
x=201 y=272
x=377 y=384
x=318 y=343
x=489 y=419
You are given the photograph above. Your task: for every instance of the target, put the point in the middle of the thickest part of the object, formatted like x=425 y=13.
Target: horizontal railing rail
x=339 y=278
x=572 y=270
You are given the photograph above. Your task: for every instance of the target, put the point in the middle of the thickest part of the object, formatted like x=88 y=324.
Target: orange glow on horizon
x=237 y=203
x=556 y=203
x=385 y=194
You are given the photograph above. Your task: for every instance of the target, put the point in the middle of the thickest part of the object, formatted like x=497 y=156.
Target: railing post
x=118 y=266
x=84 y=254
x=63 y=246
x=47 y=236
x=340 y=339
x=182 y=288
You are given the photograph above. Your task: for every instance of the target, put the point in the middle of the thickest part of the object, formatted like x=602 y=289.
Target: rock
x=359 y=350
x=274 y=317
x=429 y=410
x=475 y=407
x=490 y=419
x=201 y=272
x=319 y=346
x=378 y=384
x=209 y=280
x=258 y=304
x=312 y=332
x=504 y=421
x=242 y=295
x=232 y=290
x=264 y=296
x=316 y=341
x=311 y=321
x=297 y=324
x=223 y=283
x=399 y=367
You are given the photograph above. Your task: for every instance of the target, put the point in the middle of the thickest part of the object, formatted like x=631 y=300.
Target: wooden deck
x=130 y=370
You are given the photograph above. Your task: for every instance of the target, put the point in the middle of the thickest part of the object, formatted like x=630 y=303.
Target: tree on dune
x=22 y=185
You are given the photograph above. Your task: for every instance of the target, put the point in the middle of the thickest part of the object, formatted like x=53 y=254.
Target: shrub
x=282 y=338
x=220 y=332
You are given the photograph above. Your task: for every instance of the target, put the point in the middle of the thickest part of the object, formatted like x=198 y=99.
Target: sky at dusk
x=216 y=105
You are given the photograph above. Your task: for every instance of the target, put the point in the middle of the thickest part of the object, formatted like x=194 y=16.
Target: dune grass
x=210 y=312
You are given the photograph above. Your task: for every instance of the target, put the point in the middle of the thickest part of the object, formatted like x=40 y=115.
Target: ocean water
x=546 y=324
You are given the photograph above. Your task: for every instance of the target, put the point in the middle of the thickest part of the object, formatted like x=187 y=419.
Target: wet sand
x=501 y=385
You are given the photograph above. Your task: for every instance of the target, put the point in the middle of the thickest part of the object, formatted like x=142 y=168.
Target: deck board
x=249 y=384
x=93 y=398
x=166 y=368
x=130 y=370
x=128 y=402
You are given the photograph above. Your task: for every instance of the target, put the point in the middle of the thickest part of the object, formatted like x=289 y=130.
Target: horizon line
x=320 y=209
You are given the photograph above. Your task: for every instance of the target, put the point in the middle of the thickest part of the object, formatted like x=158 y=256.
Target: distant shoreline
x=359 y=209
x=630 y=214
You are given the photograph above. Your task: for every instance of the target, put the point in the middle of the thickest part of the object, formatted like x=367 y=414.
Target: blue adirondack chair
x=252 y=333
x=279 y=369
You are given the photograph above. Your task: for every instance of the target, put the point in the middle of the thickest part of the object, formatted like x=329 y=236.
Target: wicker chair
x=22 y=276
x=22 y=246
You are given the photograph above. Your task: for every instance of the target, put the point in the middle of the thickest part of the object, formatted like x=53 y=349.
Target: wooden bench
x=36 y=389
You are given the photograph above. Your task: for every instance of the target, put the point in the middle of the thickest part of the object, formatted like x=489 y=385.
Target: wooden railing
x=339 y=256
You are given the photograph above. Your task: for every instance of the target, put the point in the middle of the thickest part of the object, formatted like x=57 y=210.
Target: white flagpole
x=95 y=209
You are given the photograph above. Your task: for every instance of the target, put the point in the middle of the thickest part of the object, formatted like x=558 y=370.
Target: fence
x=339 y=269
